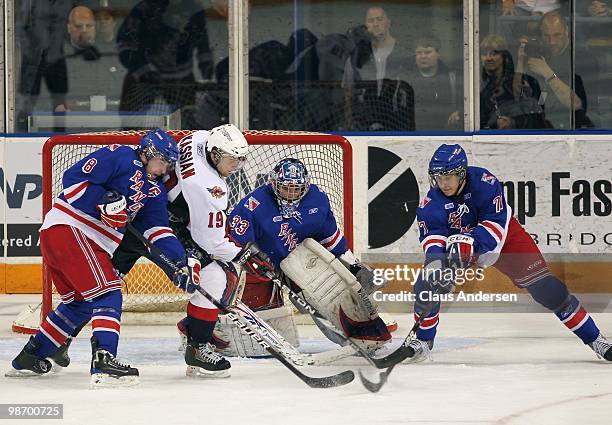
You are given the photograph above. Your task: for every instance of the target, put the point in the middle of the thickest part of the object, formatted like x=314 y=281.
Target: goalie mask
x=448 y=160
x=290 y=182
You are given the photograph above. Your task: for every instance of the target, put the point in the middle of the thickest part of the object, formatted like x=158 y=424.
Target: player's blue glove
x=113 y=209
x=188 y=277
x=460 y=252
x=254 y=260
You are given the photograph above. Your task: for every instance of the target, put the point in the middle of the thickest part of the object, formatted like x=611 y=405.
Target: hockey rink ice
x=487 y=368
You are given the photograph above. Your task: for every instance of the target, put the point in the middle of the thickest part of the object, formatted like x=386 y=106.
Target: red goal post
x=327 y=157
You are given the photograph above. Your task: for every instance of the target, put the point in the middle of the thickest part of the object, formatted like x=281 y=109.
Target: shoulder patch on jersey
x=424 y=202
x=488 y=178
x=251 y=203
x=200 y=149
x=216 y=192
x=138 y=163
x=449 y=206
x=313 y=211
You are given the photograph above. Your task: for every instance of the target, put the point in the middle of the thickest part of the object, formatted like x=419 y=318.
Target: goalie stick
x=251 y=327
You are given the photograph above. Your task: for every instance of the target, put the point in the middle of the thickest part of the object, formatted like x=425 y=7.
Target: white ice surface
x=487 y=369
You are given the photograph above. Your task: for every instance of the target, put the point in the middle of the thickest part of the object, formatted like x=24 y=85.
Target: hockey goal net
x=148 y=293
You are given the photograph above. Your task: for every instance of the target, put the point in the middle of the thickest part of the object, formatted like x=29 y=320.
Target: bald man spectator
x=90 y=72
x=554 y=73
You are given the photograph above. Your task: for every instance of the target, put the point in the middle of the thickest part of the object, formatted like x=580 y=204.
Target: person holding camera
x=549 y=60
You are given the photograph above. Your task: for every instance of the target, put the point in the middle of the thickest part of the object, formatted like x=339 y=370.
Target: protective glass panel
x=351 y=65
x=112 y=64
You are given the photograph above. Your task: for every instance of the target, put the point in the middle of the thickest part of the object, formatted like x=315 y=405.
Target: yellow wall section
x=581 y=277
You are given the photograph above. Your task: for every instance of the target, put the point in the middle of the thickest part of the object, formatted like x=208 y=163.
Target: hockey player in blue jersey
x=465 y=220
x=280 y=215
x=102 y=193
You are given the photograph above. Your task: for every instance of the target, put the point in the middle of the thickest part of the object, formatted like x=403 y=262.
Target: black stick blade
x=337 y=380
x=374 y=387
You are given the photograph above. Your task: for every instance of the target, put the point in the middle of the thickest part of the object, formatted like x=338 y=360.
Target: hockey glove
x=438 y=280
x=112 y=209
x=255 y=261
x=365 y=276
x=188 y=277
x=460 y=251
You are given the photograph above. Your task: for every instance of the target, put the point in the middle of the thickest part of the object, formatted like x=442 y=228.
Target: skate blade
x=104 y=380
x=198 y=372
x=23 y=373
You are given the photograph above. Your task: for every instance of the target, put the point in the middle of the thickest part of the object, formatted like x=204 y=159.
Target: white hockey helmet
x=227 y=140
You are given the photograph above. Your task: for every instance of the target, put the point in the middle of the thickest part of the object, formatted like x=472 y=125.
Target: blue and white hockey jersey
x=481 y=211
x=115 y=167
x=257 y=218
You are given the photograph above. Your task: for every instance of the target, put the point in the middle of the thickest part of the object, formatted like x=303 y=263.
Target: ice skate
x=203 y=361
x=602 y=347
x=27 y=363
x=421 y=350
x=106 y=371
x=60 y=358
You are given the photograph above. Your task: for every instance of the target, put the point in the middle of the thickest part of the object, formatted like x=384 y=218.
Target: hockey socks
x=200 y=323
x=577 y=320
x=553 y=294
x=61 y=324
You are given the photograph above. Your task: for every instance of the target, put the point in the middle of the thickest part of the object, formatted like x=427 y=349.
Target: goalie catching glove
x=113 y=209
x=188 y=277
x=255 y=261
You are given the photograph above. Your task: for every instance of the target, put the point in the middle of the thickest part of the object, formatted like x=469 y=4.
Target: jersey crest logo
x=288 y=236
x=251 y=204
x=454 y=218
x=424 y=202
x=216 y=192
x=154 y=191
x=488 y=178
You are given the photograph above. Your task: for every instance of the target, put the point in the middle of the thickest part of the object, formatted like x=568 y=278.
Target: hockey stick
x=244 y=325
x=376 y=386
x=380 y=363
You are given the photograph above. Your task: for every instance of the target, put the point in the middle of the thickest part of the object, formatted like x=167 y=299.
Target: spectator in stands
x=384 y=57
x=377 y=98
x=437 y=99
x=40 y=34
x=599 y=9
x=554 y=73
x=90 y=72
x=157 y=43
x=529 y=7
x=508 y=99
x=106 y=27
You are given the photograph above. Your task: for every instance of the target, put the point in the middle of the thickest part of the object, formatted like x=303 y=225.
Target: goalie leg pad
x=241 y=345
x=330 y=288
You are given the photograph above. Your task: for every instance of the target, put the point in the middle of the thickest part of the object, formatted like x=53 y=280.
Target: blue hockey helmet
x=448 y=159
x=290 y=182
x=159 y=144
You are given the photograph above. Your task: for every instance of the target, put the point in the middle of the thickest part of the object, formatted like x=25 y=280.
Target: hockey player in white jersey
x=206 y=160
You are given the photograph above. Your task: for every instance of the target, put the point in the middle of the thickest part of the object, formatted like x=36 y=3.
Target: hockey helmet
x=290 y=182
x=448 y=159
x=159 y=144
x=227 y=140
